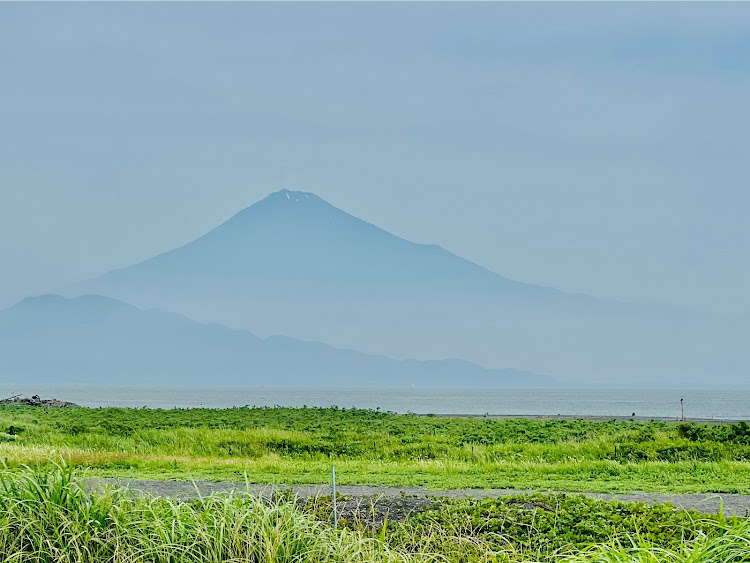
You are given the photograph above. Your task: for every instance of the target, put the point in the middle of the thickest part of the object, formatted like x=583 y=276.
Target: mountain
x=294 y=264
x=98 y=340
x=297 y=241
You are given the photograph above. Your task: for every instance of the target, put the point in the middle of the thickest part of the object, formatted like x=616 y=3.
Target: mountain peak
x=293 y=196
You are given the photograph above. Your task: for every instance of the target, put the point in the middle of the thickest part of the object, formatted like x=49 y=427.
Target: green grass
x=545 y=527
x=730 y=544
x=297 y=446
x=47 y=516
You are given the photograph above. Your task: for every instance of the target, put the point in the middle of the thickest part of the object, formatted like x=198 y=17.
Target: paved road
x=706 y=503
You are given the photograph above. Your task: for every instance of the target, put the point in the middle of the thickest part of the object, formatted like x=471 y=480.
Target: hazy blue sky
x=598 y=148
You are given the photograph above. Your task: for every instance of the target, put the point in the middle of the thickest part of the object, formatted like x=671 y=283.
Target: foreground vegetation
x=290 y=446
x=47 y=516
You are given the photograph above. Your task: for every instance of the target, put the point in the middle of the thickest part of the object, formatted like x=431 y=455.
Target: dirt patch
x=367 y=512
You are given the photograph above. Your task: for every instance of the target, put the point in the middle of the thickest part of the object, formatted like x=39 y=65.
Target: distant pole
x=333 y=486
x=682 y=408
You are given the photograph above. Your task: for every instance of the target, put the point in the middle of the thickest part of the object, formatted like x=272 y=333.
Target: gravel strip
x=708 y=503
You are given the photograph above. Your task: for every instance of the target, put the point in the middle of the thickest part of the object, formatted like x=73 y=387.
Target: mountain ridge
x=90 y=338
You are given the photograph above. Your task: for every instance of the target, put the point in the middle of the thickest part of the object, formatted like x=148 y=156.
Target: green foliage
x=373 y=447
x=47 y=516
x=543 y=526
x=738 y=433
x=726 y=544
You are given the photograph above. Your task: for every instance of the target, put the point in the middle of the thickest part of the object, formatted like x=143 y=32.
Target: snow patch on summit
x=296 y=196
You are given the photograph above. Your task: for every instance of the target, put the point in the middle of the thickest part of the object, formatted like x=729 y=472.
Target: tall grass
x=48 y=517
x=729 y=544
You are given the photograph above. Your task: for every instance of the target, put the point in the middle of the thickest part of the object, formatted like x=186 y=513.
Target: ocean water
x=665 y=403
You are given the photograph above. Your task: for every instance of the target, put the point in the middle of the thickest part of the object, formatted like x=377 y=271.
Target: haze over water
x=699 y=404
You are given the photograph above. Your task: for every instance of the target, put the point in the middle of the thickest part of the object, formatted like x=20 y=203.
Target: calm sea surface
x=645 y=403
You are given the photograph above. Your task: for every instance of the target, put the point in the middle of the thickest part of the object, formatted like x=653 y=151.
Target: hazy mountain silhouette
x=98 y=340
x=294 y=264
x=297 y=240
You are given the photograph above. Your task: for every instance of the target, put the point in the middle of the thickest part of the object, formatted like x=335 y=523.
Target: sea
x=669 y=404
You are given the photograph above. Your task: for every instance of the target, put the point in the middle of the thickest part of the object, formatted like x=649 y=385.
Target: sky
x=600 y=148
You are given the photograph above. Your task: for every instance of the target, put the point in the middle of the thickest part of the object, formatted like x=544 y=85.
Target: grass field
x=296 y=446
x=46 y=516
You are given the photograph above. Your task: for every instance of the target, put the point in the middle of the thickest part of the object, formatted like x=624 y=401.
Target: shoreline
x=37 y=402
x=661 y=405
x=591 y=417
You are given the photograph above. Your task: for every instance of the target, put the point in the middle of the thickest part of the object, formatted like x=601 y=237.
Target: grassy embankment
x=46 y=516
x=289 y=446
